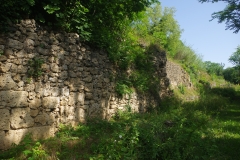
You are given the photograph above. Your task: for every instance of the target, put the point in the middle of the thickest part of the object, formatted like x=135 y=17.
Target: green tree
x=97 y=21
x=159 y=26
x=235 y=60
x=235 y=57
x=231 y=74
x=214 y=68
x=230 y=15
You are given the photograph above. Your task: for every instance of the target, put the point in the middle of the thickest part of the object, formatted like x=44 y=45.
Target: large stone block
x=76 y=98
x=15 y=44
x=35 y=103
x=20 y=118
x=16 y=136
x=54 y=67
x=80 y=115
x=51 y=102
x=5 y=119
x=5 y=67
x=6 y=82
x=14 y=98
x=42 y=119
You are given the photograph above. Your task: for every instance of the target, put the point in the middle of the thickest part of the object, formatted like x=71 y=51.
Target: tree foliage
x=231 y=74
x=160 y=27
x=230 y=15
x=94 y=20
x=214 y=68
x=235 y=57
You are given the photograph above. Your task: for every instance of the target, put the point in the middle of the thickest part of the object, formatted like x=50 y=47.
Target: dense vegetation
x=206 y=128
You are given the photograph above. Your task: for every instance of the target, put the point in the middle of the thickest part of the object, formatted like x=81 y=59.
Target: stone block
x=55 y=91
x=5 y=67
x=34 y=112
x=20 y=118
x=14 y=98
x=75 y=98
x=54 y=67
x=35 y=103
x=43 y=51
x=3 y=58
x=65 y=92
x=15 y=44
x=42 y=119
x=5 y=119
x=16 y=136
x=20 y=54
x=51 y=102
x=80 y=115
x=6 y=82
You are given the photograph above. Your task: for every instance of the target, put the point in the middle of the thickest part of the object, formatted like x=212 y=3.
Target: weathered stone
x=45 y=67
x=65 y=92
x=88 y=79
x=88 y=87
x=15 y=44
x=22 y=69
x=80 y=115
x=16 y=136
x=42 y=119
x=6 y=82
x=5 y=119
x=21 y=54
x=55 y=91
x=72 y=74
x=43 y=51
x=30 y=87
x=20 y=84
x=31 y=95
x=18 y=62
x=34 y=112
x=53 y=79
x=89 y=95
x=51 y=102
x=64 y=75
x=8 y=52
x=5 y=67
x=1 y=47
x=54 y=67
x=14 y=98
x=85 y=106
x=76 y=98
x=35 y=103
x=14 y=68
x=3 y=58
x=20 y=118
x=32 y=36
x=106 y=80
x=64 y=102
x=29 y=43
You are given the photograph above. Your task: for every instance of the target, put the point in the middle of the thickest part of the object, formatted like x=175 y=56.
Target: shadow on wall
x=74 y=84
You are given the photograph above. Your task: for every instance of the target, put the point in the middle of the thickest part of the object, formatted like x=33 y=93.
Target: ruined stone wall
x=177 y=75
x=75 y=84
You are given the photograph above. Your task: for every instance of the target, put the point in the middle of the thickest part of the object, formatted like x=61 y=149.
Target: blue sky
x=207 y=38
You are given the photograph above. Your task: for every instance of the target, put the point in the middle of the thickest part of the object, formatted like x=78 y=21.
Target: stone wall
x=75 y=84
x=177 y=75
